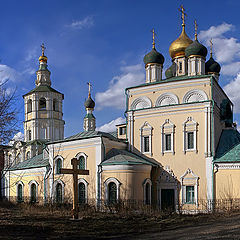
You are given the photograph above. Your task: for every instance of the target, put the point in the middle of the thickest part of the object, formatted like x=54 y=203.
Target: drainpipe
x=212 y=132
x=125 y=113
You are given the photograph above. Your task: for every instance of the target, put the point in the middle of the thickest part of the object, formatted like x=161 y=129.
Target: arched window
x=33 y=193
x=81 y=193
x=81 y=162
x=58 y=165
x=29 y=106
x=112 y=192
x=19 y=192
x=55 y=105
x=59 y=193
x=147 y=193
x=28 y=155
x=42 y=104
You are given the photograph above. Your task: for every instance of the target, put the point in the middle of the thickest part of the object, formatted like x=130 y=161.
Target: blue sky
x=104 y=41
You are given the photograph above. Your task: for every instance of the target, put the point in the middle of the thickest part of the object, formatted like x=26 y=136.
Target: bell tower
x=43 y=107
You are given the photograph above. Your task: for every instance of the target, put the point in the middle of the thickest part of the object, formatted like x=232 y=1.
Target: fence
x=202 y=206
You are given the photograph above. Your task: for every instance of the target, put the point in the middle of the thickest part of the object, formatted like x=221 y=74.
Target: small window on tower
x=29 y=135
x=122 y=130
x=42 y=104
x=55 y=106
x=29 y=106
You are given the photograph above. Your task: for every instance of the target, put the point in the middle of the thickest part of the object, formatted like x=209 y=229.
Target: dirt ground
x=31 y=222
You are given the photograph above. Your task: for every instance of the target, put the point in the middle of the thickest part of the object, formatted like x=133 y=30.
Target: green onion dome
x=154 y=57
x=211 y=66
x=197 y=49
x=169 y=73
x=89 y=103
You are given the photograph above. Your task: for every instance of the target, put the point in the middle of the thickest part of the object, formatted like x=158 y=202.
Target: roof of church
x=88 y=134
x=42 y=88
x=178 y=78
x=34 y=162
x=123 y=157
x=228 y=149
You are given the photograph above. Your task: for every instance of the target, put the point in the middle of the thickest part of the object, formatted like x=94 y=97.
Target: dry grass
x=24 y=221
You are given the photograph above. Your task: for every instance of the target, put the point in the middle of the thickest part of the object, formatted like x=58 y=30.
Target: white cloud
x=17 y=137
x=214 y=32
x=232 y=89
x=87 y=22
x=114 y=96
x=7 y=74
x=225 y=49
x=231 y=69
x=111 y=126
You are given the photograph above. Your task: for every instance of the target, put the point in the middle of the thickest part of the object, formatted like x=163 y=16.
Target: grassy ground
x=36 y=222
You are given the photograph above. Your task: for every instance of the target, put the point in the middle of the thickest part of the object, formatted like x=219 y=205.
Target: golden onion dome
x=177 y=47
x=43 y=59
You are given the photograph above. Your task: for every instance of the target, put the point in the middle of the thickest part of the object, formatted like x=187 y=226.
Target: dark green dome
x=89 y=103
x=153 y=57
x=211 y=66
x=196 y=48
x=170 y=72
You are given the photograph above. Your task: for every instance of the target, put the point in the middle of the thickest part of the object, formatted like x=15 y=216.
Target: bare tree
x=8 y=114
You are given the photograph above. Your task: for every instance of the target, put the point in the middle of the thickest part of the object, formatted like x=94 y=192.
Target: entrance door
x=167 y=199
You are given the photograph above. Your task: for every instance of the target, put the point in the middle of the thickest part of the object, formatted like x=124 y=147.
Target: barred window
x=189 y=194
x=190 y=140
x=168 y=142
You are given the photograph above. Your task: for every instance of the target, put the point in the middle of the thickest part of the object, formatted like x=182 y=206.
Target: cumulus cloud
x=231 y=69
x=87 y=22
x=7 y=74
x=111 y=126
x=17 y=137
x=225 y=49
x=114 y=96
x=232 y=89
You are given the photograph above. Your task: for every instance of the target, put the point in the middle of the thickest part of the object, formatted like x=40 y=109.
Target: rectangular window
x=189 y=194
x=168 y=142
x=29 y=135
x=122 y=130
x=190 y=140
x=43 y=133
x=146 y=144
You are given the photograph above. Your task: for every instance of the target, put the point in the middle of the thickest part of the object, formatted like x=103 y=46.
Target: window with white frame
x=167 y=131
x=28 y=155
x=33 y=191
x=146 y=138
x=112 y=190
x=58 y=164
x=189 y=182
x=190 y=135
x=59 y=191
x=82 y=157
x=82 y=191
x=20 y=191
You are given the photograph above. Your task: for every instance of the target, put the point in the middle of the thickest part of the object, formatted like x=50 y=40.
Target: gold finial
x=43 y=49
x=182 y=10
x=153 y=43
x=89 y=89
x=196 y=26
x=211 y=45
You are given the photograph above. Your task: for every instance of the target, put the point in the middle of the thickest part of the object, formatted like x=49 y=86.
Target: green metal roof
x=34 y=162
x=123 y=157
x=43 y=88
x=228 y=149
x=87 y=134
x=37 y=142
x=179 y=78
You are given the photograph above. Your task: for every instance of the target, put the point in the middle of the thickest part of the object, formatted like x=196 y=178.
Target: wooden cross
x=75 y=172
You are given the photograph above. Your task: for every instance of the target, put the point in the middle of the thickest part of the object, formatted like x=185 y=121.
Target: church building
x=178 y=149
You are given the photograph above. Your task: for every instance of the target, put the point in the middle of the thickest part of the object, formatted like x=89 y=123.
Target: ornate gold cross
x=182 y=10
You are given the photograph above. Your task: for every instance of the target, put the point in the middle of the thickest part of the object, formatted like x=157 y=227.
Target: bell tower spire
x=43 y=74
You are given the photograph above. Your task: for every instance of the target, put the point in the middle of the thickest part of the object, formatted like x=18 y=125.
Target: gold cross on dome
x=196 y=26
x=154 y=34
x=43 y=49
x=211 y=46
x=89 y=88
x=182 y=10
